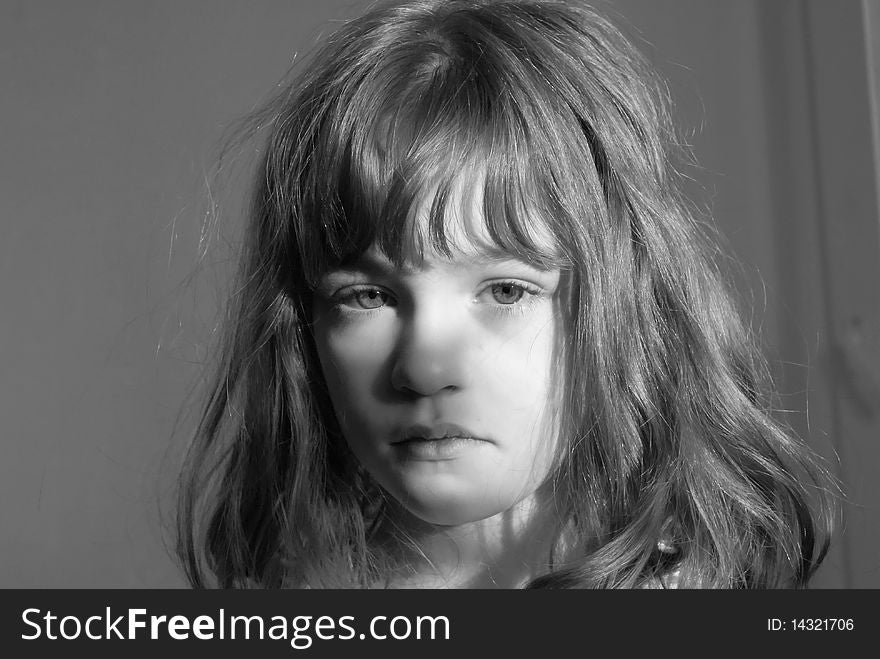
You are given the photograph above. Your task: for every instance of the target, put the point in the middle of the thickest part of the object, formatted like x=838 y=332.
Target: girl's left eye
x=509 y=293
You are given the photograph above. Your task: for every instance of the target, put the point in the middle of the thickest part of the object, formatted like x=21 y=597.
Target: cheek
x=522 y=364
x=354 y=358
x=527 y=372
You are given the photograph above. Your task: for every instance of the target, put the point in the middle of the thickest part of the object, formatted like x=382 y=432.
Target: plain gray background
x=110 y=114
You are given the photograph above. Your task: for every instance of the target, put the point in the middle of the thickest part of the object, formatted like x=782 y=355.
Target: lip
x=437 y=442
x=435 y=432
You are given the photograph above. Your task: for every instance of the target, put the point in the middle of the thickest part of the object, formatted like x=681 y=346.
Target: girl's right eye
x=364 y=297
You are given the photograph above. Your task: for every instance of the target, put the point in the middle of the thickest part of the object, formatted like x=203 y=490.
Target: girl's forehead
x=466 y=225
x=471 y=258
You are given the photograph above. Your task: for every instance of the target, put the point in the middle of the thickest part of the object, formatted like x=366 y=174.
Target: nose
x=432 y=354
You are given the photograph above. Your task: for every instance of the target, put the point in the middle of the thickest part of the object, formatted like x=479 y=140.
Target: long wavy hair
x=672 y=461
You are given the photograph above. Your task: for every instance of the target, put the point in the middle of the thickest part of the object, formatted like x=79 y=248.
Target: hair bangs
x=440 y=160
x=465 y=194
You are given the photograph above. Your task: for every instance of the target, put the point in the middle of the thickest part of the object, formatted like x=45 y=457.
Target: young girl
x=478 y=341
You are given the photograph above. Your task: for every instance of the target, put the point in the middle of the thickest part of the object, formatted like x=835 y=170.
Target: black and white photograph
x=440 y=294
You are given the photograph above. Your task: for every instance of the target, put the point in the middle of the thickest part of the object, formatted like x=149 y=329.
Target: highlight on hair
x=672 y=460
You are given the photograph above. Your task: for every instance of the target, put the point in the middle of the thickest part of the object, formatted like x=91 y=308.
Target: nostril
x=423 y=375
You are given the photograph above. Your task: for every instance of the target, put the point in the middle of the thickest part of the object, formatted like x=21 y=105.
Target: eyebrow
x=493 y=256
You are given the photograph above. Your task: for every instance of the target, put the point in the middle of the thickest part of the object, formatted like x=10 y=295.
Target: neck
x=504 y=551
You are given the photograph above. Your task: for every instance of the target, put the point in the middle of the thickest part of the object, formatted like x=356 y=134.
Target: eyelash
x=350 y=295
x=530 y=295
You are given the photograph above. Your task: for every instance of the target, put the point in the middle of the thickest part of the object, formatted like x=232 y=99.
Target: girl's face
x=440 y=376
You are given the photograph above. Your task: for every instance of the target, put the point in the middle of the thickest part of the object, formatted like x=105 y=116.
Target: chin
x=452 y=510
x=451 y=515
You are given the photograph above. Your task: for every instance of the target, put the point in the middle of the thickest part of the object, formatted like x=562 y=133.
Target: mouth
x=437 y=442
x=436 y=433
